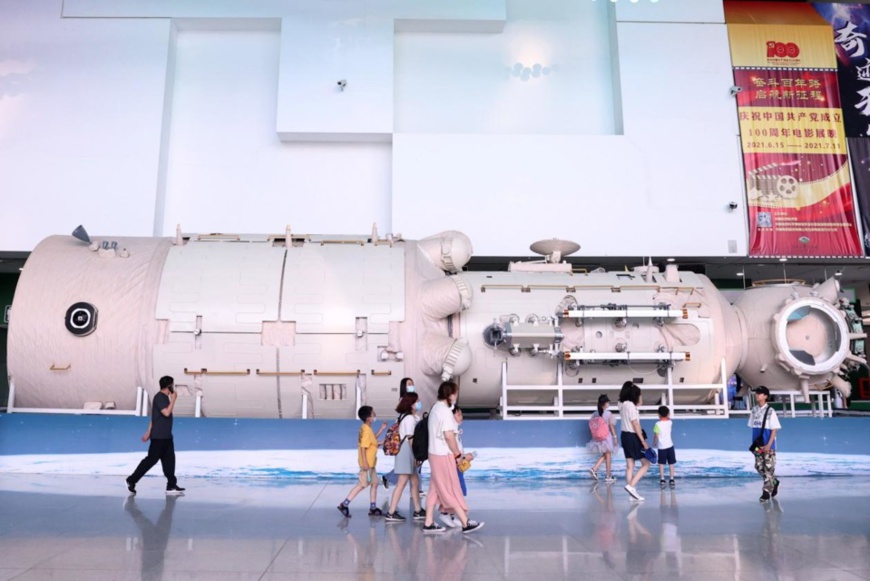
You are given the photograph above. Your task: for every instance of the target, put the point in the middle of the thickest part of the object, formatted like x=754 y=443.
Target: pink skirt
x=444 y=484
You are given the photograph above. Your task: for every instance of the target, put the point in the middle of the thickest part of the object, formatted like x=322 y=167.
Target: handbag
x=758 y=442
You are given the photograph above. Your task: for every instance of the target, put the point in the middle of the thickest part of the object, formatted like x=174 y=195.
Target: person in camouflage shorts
x=765 y=458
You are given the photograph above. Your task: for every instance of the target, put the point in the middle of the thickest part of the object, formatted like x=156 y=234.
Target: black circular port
x=81 y=319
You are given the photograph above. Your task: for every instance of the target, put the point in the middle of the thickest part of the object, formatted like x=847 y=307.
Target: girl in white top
x=447 y=518
x=406 y=464
x=633 y=441
x=444 y=455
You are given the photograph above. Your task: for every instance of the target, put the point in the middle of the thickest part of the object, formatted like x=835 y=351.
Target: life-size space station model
x=312 y=326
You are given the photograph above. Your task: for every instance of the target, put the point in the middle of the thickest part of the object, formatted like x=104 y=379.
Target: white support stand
x=139 y=403
x=305 y=406
x=197 y=408
x=820 y=402
x=668 y=393
x=141 y=395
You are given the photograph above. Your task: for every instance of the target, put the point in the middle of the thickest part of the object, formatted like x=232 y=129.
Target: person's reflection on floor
x=446 y=556
x=605 y=524
x=642 y=550
x=364 y=554
x=771 y=539
x=670 y=535
x=154 y=537
x=405 y=556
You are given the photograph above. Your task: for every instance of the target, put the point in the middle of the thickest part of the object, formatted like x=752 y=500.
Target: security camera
x=732 y=205
x=735 y=89
x=342 y=84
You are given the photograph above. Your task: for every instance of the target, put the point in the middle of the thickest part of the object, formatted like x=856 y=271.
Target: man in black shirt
x=160 y=434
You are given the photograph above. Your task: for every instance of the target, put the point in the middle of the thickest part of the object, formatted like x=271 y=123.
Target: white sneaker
x=631 y=490
x=593 y=473
x=448 y=520
x=609 y=480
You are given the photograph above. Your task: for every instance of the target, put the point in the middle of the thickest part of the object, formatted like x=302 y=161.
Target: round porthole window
x=81 y=319
x=812 y=336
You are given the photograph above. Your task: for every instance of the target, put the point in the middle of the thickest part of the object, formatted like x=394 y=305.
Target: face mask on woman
x=410 y=388
x=418 y=406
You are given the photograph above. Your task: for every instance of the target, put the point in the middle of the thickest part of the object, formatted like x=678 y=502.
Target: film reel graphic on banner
x=81 y=319
x=770 y=188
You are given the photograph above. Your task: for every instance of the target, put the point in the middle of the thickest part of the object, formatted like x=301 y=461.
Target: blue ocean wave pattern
x=491 y=464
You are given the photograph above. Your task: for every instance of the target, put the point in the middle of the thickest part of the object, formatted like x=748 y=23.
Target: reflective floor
x=69 y=528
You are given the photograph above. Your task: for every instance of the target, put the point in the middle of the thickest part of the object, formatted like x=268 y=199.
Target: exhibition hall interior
x=434 y=289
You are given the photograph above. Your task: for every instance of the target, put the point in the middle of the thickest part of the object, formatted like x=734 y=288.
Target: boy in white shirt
x=765 y=457
x=665 y=443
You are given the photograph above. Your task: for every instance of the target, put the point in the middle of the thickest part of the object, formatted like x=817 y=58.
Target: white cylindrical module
x=83 y=324
x=620 y=326
x=795 y=335
x=256 y=326
x=281 y=327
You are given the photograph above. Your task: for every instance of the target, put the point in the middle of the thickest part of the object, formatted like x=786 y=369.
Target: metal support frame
x=628 y=312
x=820 y=402
x=558 y=409
x=627 y=356
x=139 y=410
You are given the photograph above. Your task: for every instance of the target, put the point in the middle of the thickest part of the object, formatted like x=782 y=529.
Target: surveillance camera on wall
x=342 y=84
x=735 y=89
x=732 y=205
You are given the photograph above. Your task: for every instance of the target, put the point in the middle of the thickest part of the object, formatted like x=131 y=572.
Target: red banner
x=795 y=159
x=796 y=166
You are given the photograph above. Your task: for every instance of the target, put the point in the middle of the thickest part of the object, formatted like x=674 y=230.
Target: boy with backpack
x=603 y=438
x=367 y=446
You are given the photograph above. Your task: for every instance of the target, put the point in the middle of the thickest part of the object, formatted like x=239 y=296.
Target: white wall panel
x=475 y=83
x=315 y=55
x=441 y=10
x=677 y=106
x=508 y=191
x=479 y=149
x=677 y=166
x=80 y=111
x=699 y=11
x=677 y=77
x=228 y=171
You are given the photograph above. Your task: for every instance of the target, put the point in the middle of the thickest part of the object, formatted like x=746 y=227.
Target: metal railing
x=140 y=410
x=667 y=392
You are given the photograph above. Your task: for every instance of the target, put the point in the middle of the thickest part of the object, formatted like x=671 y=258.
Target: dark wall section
x=7 y=291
